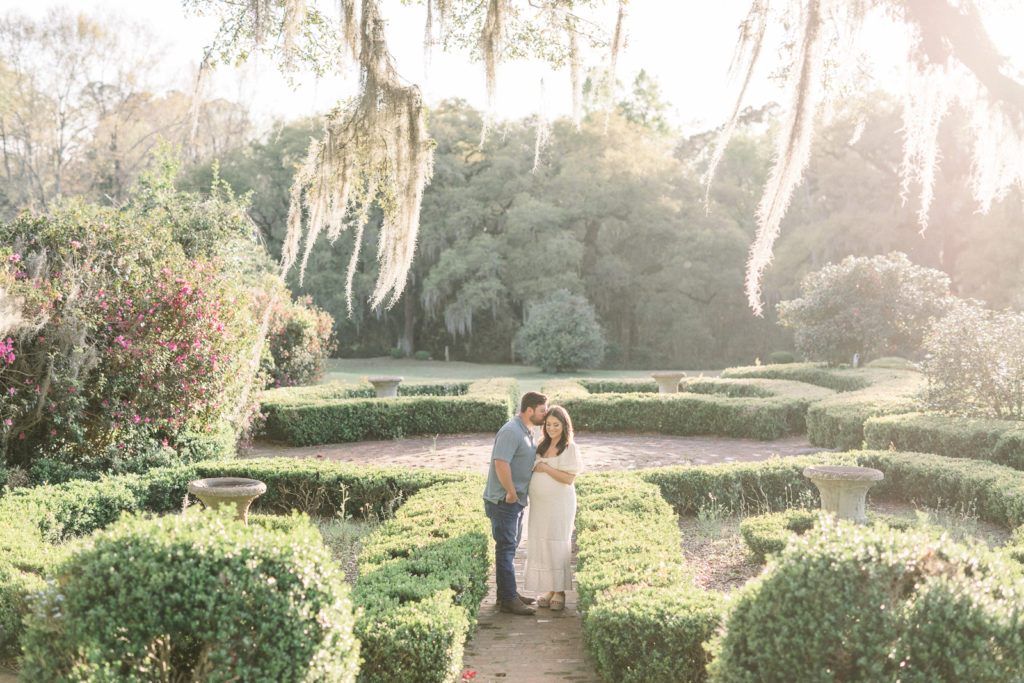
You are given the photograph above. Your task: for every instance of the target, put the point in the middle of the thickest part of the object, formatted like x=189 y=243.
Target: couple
x=545 y=472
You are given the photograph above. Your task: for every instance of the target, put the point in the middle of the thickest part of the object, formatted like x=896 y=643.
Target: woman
x=552 y=510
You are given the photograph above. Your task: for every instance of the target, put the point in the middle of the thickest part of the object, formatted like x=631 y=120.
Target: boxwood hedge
x=644 y=617
x=36 y=524
x=758 y=409
x=998 y=441
x=338 y=413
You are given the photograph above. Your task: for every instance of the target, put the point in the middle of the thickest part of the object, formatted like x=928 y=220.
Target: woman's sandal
x=544 y=601
x=557 y=602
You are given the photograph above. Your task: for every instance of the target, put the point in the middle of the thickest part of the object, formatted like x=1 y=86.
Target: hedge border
x=998 y=441
x=315 y=416
x=838 y=422
x=36 y=523
x=744 y=408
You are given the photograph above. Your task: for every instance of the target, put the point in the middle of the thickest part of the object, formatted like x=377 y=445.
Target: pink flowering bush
x=121 y=351
x=299 y=340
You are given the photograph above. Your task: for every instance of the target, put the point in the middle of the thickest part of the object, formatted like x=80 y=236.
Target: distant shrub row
x=756 y=409
x=338 y=413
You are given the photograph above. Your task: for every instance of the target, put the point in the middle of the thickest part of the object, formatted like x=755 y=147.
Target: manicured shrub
x=644 y=617
x=857 y=603
x=396 y=352
x=485 y=407
x=561 y=333
x=874 y=306
x=208 y=599
x=421 y=579
x=836 y=379
x=300 y=339
x=975 y=363
x=838 y=422
x=892 y=363
x=421 y=355
x=768 y=534
x=758 y=409
x=780 y=358
x=997 y=441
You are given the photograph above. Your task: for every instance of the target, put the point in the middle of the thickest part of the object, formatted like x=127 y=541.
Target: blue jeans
x=507 y=530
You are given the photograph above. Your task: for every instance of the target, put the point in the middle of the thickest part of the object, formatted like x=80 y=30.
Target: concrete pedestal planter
x=236 y=491
x=386 y=387
x=844 y=489
x=668 y=382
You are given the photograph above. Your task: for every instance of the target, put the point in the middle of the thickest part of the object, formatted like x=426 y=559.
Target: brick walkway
x=547 y=646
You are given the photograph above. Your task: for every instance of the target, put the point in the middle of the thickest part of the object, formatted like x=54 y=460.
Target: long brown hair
x=562 y=415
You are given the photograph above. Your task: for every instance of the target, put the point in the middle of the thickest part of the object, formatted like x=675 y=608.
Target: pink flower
x=14 y=258
x=136 y=419
x=76 y=244
x=8 y=422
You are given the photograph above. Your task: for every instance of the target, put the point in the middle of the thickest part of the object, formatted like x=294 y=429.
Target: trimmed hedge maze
x=746 y=408
x=422 y=574
x=646 y=619
x=333 y=413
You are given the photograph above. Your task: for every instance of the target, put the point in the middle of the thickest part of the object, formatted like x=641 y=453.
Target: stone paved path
x=547 y=646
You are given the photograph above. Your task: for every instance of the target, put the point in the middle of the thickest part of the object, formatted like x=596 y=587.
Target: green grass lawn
x=530 y=378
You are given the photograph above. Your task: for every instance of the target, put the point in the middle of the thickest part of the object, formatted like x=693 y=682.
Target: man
x=505 y=495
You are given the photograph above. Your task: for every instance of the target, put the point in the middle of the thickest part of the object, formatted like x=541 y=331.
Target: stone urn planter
x=236 y=491
x=668 y=381
x=844 y=489
x=386 y=387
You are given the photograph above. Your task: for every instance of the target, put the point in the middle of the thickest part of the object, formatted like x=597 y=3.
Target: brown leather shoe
x=527 y=600
x=517 y=607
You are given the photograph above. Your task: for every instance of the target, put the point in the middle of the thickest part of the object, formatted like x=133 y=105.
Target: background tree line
x=613 y=212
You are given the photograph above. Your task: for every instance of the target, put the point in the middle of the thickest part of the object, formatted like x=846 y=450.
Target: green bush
x=998 y=441
x=421 y=580
x=619 y=386
x=875 y=306
x=644 y=617
x=975 y=363
x=421 y=355
x=208 y=599
x=484 y=407
x=768 y=534
x=561 y=333
x=856 y=603
x=396 y=353
x=758 y=409
x=810 y=373
x=780 y=358
x=838 y=422
x=36 y=523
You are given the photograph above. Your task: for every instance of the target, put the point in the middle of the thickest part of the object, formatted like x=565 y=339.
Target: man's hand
x=511 y=496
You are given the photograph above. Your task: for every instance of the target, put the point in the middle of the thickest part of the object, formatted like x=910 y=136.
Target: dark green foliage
x=872 y=604
x=645 y=619
x=975 y=363
x=619 y=386
x=874 y=306
x=561 y=333
x=313 y=417
x=299 y=340
x=396 y=352
x=740 y=408
x=207 y=598
x=780 y=358
x=421 y=580
x=421 y=355
x=998 y=441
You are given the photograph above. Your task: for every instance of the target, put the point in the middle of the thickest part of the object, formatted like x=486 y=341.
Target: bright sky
x=686 y=44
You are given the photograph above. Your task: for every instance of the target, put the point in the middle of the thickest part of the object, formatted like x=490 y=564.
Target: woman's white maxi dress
x=549 y=534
